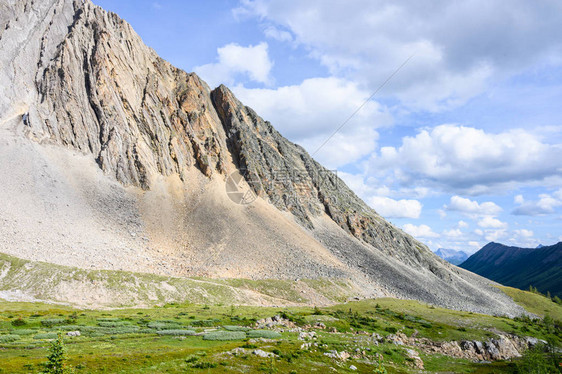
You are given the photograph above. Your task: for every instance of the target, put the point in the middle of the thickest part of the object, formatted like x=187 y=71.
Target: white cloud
x=519 y=199
x=234 y=60
x=490 y=222
x=278 y=34
x=546 y=204
x=421 y=231
x=390 y=208
x=459 y=46
x=453 y=233
x=472 y=208
x=310 y=112
x=524 y=233
x=474 y=244
x=495 y=235
x=462 y=224
x=469 y=160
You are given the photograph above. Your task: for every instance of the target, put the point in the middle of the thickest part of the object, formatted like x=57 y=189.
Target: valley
x=353 y=337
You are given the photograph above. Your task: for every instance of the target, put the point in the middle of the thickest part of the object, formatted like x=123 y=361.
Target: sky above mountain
x=462 y=146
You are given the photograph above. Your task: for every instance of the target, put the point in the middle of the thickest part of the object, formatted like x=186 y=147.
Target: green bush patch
x=266 y=334
x=176 y=332
x=114 y=324
x=9 y=338
x=53 y=322
x=164 y=325
x=236 y=328
x=225 y=335
x=24 y=332
x=45 y=336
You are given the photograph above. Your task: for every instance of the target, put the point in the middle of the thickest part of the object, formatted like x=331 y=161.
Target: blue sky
x=462 y=147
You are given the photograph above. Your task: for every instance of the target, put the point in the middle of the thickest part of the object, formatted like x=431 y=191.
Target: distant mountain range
x=540 y=267
x=451 y=255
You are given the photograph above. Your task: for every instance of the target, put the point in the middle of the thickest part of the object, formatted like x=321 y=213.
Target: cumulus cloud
x=453 y=233
x=459 y=46
x=472 y=208
x=277 y=34
x=490 y=222
x=252 y=62
x=546 y=204
x=466 y=159
x=309 y=113
x=524 y=233
x=495 y=235
x=421 y=231
x=474 y=244
x=391 y=208
x=462 y=224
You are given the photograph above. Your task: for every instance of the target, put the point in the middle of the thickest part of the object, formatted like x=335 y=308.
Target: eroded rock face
x=295 y=182
x=502 y=348
x=106 y=93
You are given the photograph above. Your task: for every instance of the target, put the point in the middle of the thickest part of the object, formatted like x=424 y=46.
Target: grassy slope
x=65 y=284
x=534 y=303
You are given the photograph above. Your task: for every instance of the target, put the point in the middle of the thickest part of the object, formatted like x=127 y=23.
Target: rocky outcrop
x=503 y=347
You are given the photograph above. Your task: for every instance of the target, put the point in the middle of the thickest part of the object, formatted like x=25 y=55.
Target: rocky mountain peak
x=81 y=84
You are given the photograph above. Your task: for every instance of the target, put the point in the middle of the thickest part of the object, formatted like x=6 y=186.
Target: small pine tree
x=56 y=363
x=380 y=369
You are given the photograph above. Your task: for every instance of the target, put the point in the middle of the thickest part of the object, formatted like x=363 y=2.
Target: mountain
x=111 y=158
x=520 y=267
x=453 y=256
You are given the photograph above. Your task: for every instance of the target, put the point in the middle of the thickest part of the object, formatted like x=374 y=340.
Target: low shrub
x=70 y=327
x=96 y=331
x=113 y=323
x=236 y=328
x=225 y=335
x=9 y=338
x=164 y=325
x=19 y=322
x=146 y=331
x=391 y=330
x=176 y=332
x=45 y=336
x=204 y=365
x=23 y=332
x=205 y=323
x=266 y=334
x=53 y=322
